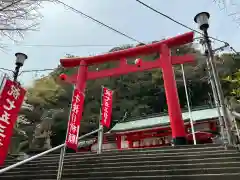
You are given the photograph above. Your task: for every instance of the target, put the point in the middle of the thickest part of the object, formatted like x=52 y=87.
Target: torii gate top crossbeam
x=127 y=53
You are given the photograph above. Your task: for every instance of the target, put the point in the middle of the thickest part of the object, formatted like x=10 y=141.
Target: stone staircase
x=205 y=162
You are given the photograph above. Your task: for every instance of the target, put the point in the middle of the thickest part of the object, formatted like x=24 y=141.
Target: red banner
x=75 y=118
x=106 y=110
x=11 y=99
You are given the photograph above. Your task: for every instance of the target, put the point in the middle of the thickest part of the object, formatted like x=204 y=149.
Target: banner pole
x=63 y=149
x=100 y=132
x=60 y=164
x=188 y=105
x=3 y=83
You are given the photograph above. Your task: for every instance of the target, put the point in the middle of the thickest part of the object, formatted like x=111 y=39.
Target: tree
x=234 y=90
x=234 y=81
x=22 y=132
x=48 y=91
x=19 y=16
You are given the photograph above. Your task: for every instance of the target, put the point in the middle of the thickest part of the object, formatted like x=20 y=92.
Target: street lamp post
x=20 y=59
x=202 y=20
x=215 y=97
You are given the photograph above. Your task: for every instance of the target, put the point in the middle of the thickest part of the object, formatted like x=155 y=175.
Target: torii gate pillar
x=165 y=62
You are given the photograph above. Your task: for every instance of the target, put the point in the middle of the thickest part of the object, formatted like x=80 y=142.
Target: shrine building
x=155 y=131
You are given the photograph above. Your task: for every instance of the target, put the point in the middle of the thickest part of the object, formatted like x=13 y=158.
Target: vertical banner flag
x=11 y=99
x=106 y=110
x=75 y=118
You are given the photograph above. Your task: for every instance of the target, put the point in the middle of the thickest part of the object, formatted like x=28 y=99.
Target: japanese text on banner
x=75 y=118
x=106 y=111
x=11 y=99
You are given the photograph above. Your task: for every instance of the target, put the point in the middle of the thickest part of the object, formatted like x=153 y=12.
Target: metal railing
x=236 y=115
x=44 y=153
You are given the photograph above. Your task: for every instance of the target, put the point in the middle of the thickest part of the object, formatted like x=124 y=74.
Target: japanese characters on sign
x=75 y=118
x=106 y=111
x=11 y=99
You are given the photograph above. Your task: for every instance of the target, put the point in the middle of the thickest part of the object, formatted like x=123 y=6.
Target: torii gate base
x=166 y=61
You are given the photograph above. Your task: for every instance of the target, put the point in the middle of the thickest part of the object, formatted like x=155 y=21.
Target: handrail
x=42 y=154
x=236 y=114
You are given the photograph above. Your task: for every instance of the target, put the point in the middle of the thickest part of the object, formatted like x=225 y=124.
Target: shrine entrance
x=165 y=62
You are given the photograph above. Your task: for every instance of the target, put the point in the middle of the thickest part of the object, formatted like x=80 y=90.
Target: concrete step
x=222 y=176
x=147 y=153
x=155 y=166
x=152 y=157
x=117 y=174
x=172 y=148
x=186 y=148
x=35 y=166
x=160 y=162
x=154 y=163
x=97 y=168
x=143 y=172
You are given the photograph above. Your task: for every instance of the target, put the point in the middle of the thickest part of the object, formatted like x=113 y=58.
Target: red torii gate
x=166 y=61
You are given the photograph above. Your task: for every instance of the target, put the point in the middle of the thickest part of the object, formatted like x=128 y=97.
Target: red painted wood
x=126 y=69
x=165 y=62
x=127 y=53
x=81 y=77
x=174 y=110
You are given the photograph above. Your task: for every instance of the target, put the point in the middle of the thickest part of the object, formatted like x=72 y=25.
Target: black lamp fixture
x=202 y=20
x=20 y=59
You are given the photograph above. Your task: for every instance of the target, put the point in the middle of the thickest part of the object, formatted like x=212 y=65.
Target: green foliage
x=45 y=92
x=234 y=84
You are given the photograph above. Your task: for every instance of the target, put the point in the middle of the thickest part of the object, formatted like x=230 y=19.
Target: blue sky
x=64 y=27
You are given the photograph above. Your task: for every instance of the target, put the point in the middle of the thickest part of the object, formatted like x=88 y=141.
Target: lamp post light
x=215 y=97
x=20 y=59
x=202 y=19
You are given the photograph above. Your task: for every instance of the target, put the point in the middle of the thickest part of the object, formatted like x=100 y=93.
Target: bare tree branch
x=19 y=16
x=231 y=8
x=10 y=4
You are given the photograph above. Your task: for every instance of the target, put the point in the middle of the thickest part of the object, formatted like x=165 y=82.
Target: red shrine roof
x=198 y=115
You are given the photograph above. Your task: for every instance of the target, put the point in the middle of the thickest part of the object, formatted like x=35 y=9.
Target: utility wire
x=37 y=70
x=5 y=69
x=177 y=22
x=111 y=28
x=52 y=69
x=234 y=50
x=55 y=45
x=27 y=71
x=97 y=21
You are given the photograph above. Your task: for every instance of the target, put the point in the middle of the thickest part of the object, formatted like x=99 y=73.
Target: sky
x=61 y=26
